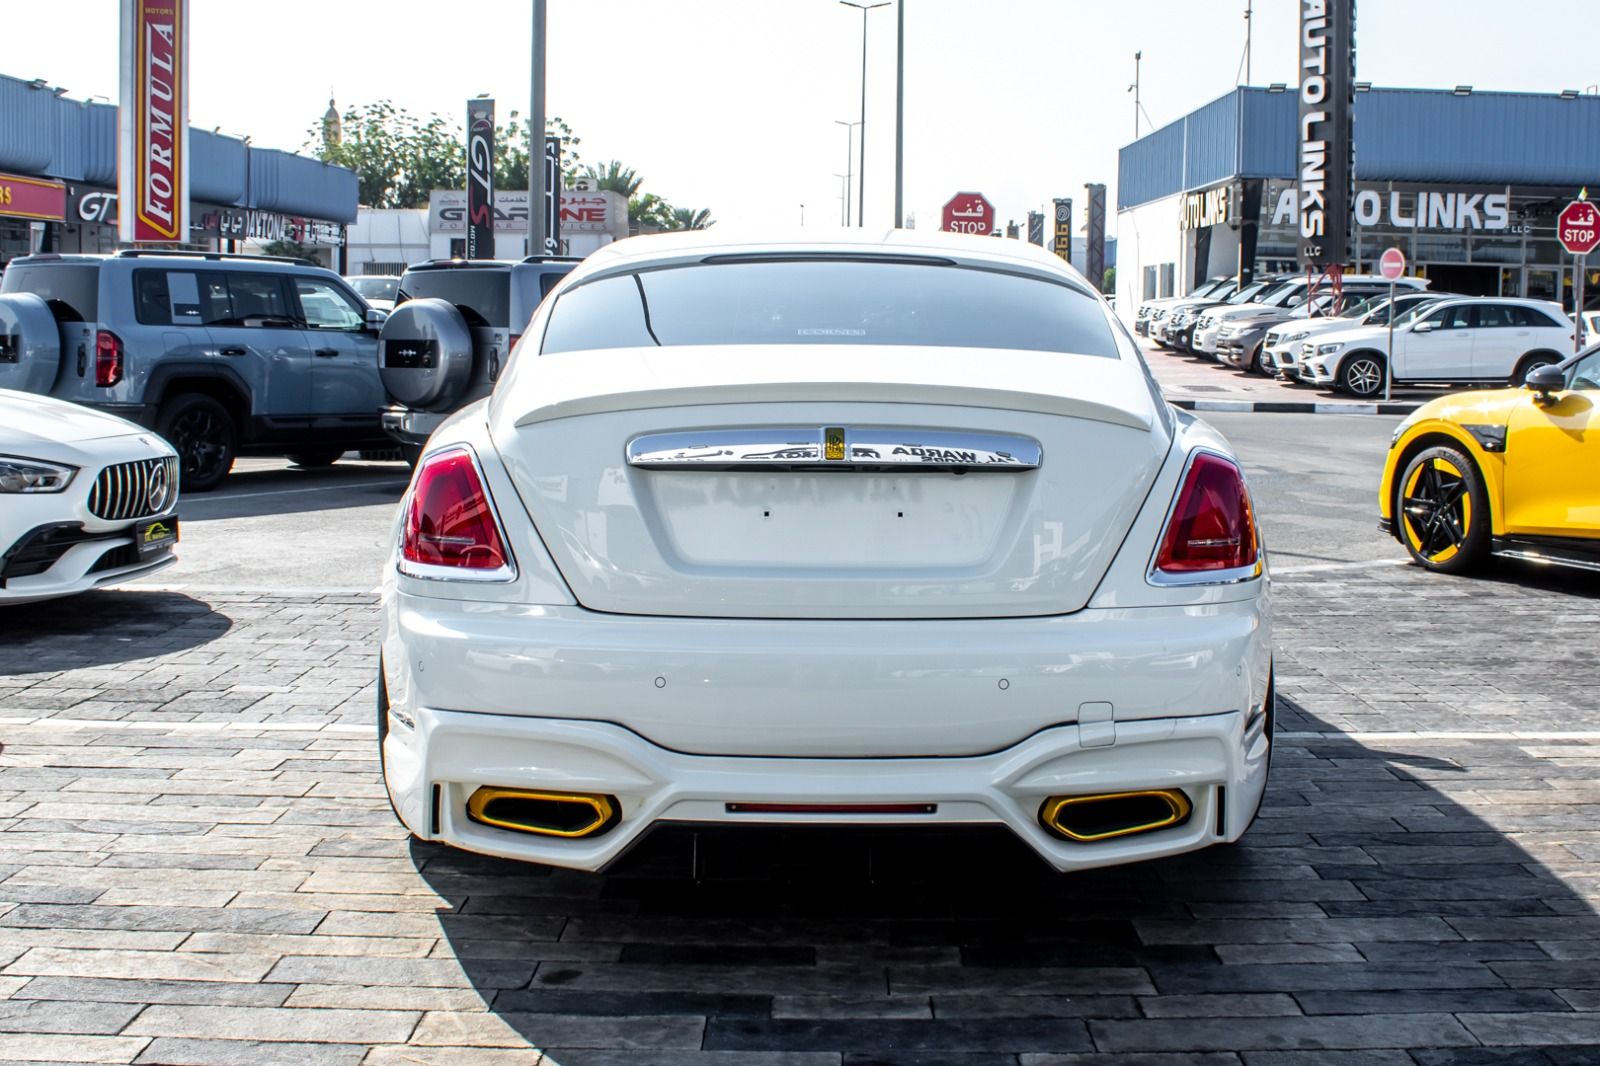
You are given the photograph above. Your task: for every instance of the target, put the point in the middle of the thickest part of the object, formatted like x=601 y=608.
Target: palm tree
x=615 y=177
x=692 y=218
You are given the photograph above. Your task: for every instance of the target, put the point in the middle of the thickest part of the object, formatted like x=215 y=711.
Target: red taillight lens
x=1212 y=527
x=449 y=522
x=107 y=358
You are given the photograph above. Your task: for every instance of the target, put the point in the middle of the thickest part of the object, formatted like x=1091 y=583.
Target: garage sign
x=153 y=119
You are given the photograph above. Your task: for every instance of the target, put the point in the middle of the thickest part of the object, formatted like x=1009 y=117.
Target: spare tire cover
x=30 y=343
x=425 y=354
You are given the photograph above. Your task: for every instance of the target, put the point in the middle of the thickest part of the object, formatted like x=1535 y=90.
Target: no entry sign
x=1392 y=264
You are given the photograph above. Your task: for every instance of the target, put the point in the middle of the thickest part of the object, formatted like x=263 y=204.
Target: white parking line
x=1318 y=568
x=209 y=497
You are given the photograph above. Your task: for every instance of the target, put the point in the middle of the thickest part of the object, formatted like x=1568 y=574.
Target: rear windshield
x=484 y=296
x=828 y=301
x=375 y=287
x=71 y=289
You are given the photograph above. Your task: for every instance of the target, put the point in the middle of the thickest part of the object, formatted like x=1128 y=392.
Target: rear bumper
x=141 y=414
x=677 y=717
x=433 y=765
x=411 y=427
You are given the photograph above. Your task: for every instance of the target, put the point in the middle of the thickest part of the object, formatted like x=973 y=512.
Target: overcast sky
x=730 y=104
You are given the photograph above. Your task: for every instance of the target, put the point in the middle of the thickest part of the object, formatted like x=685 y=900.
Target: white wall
x=387 y=235
x=1147 y=235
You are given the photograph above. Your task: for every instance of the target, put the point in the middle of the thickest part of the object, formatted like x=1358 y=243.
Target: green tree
x=399 y=158
x=691 y=218
x=614 y=177
x=1109 y=281
x=511 y=152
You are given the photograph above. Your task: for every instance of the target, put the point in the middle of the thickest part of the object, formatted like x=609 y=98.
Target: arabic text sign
x=1579 y=227
x=153 y=161
x=968 y=212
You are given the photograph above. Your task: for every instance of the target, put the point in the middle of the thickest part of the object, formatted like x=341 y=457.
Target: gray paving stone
x=111 y=990
x=47 y=1016
x=181 y=1051
x=276 y=1024
x=1226 y=1034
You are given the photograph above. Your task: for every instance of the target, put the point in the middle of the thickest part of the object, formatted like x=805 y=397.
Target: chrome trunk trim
x=833 y=447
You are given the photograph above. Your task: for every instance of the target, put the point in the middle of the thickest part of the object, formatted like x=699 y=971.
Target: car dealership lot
x=199 y=866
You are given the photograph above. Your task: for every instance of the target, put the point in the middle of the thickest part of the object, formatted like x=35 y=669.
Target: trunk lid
x=866 y=482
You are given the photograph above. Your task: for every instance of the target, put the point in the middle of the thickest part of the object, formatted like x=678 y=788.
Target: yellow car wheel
x=1443 y=511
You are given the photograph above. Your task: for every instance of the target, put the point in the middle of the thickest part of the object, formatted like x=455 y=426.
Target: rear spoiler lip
x=852 y=392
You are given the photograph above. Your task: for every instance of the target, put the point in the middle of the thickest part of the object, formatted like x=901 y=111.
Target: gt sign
x=1578 y=227
x=968 y=212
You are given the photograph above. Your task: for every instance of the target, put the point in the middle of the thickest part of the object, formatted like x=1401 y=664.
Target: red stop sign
x=968 y=212
x=1578 y=227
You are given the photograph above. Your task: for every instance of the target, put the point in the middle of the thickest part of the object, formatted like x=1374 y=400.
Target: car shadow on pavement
x=103 y=628
x=1396 y=906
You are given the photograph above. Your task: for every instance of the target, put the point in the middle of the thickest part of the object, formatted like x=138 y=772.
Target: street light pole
x=900 y=114
x=1135 y=87
x=849 y=162
x=861 y=171
x=536 y=178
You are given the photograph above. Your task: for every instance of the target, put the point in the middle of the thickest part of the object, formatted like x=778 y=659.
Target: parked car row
x=1284 y=327
x=227 y=355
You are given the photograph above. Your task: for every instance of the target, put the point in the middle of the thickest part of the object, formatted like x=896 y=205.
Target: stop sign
x=1578 y=227
x=968 y=212
x=1392 y=264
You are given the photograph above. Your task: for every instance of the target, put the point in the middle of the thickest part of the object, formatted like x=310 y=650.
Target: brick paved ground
x=197 y=867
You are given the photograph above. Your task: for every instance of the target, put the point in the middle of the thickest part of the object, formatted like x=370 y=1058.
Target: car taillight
x=107 y=358
x=1211 y=528
x=450 y=529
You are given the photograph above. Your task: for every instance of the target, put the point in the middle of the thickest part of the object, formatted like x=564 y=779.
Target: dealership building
x=1467 y=184
x=58 y=183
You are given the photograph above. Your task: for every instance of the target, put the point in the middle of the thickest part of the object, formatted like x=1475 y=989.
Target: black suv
x=222 y=355
x=454 y=324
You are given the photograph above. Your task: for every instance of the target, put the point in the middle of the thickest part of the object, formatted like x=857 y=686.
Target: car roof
x=170 y=257
x=694 y=245
x=493 y=264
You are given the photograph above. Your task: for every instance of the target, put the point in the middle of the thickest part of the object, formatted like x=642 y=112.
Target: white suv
x=1469 y=340
x=1280 y=348
x=1292 y=296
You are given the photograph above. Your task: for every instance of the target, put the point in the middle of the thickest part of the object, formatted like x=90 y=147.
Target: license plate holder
x=156 y=535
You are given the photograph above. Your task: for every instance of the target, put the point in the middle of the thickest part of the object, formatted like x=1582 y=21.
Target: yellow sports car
x=1510 y=472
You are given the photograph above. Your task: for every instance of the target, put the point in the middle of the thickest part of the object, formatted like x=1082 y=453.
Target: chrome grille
x=138 y=489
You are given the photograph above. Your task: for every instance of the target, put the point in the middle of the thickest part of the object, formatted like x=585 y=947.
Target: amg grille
x=135 y=490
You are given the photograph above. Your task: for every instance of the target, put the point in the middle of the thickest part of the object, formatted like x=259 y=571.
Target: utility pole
x=536 y=178
x=1137 y=56
x=899 y=114
x=1249 y=25
x=849 y=162
x=861 y=170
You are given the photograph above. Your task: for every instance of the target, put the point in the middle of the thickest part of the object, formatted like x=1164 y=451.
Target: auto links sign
x=1448 y=209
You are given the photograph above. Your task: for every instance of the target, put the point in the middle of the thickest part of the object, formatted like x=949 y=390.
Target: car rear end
x=52 y=338
x=829 y=554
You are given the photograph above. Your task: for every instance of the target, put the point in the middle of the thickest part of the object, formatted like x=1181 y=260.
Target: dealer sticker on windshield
x=156 y=536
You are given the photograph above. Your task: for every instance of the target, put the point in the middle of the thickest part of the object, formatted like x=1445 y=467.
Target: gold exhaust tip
x=552 y=814
x=1108 y=815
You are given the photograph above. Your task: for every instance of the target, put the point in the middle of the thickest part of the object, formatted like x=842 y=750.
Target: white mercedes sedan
x=887 y=529
x=86 y=499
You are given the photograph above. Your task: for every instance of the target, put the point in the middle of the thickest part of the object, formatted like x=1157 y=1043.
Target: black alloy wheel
x=1443 y=511
x=202 y=432
x=1362 y=374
